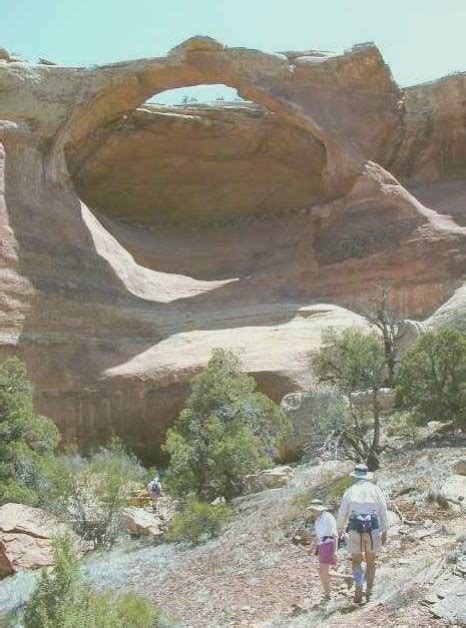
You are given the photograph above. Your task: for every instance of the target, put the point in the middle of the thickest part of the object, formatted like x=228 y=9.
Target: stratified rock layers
x=250 y=227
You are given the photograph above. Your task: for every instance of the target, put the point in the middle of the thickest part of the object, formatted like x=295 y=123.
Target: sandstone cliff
x=134 y=239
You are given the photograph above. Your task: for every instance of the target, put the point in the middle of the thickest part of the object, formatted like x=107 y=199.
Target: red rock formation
x=201 y=165
x=26 y=538
x=113 y=318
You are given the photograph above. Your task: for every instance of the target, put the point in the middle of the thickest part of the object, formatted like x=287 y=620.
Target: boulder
x=312 y=415
x=459 y=468
x=454 y=488
x=141 y=521
x=21 y=551
x=270 y=478
x=449 y=601
x=26 y=535
x=28 y=520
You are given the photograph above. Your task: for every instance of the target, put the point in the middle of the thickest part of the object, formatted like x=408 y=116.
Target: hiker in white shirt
x=326 y=536
x=363 y=512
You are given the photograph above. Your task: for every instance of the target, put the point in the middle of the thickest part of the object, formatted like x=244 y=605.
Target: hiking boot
x=368 y=594
x=358 y=595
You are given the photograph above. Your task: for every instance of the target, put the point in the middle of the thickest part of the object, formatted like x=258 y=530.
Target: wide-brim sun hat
x=361 y=472
x=317 y=505
x=316 y=509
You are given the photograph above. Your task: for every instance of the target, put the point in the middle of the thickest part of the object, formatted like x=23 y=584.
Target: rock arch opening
x=200 y=163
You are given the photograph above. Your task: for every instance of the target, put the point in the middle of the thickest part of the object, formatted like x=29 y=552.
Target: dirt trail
x=254 y=575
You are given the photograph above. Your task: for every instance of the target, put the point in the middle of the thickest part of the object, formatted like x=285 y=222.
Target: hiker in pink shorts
x=325 y=529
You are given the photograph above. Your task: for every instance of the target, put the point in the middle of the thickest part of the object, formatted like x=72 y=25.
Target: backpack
x=364 y=523
x=155 y=488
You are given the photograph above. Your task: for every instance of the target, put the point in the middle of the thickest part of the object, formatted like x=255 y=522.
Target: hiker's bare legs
x=370 y=572
x=358 y=574
x=324 y=574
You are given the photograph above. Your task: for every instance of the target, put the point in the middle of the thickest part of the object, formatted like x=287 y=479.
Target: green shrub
x=124 y=610
x=198 y=521
x=27 y=440
x=403 y=424
x=226 y=431
x=353 y=361
x=432 y=377
x=63 y=600
x=89 y=493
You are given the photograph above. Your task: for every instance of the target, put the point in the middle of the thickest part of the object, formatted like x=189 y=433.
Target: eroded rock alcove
x=137 y=238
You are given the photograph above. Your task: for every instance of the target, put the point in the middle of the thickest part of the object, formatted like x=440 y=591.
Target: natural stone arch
x=199 y=162
x=110 y=342
x=108 y=92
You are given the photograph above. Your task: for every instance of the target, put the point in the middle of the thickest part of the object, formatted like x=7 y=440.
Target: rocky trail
x=255 y=575
x=259 y=573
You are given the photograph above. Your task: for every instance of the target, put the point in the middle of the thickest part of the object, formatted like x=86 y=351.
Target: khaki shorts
x=366 y=542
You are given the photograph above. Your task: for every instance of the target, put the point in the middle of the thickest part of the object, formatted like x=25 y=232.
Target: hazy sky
x=420 y=39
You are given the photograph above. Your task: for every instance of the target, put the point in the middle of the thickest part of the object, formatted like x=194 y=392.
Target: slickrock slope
x=279 y=223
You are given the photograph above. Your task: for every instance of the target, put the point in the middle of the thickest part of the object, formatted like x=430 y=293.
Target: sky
x=421 y=40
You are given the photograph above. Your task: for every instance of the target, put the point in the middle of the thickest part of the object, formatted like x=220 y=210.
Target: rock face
x=26 y=535
x=201 y=165
x=313 y=415
x=141 y=522
x=270 y=478
x=123 y=262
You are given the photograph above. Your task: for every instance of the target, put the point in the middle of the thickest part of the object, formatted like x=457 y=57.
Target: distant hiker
x=325 y=528
x=155 y=490
x=363 y=513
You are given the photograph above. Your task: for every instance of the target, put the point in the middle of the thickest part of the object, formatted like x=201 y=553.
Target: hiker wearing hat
x=325 y=529
x=363 y=513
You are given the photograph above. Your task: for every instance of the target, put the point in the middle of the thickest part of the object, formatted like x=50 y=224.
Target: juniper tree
x=27 y=440
x=226 y=431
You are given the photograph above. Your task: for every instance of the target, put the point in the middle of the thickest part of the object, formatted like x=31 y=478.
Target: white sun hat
x=317 y=505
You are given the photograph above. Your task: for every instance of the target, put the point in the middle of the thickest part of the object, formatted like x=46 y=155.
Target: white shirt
x=325 y=525
x=363 y=498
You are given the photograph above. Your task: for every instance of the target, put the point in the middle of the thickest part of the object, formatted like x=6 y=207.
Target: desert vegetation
x=226 y=433
x=432 y=378
x=63 y=600
x=89 y=492
x=28 y=442
x=198 y=522
x=429 y=380
x=353 y=362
